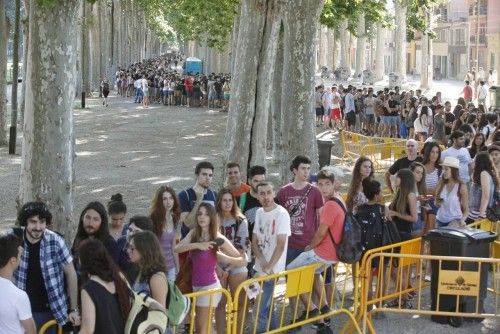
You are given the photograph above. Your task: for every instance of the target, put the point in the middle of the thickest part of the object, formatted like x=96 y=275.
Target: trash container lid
x=461 y=234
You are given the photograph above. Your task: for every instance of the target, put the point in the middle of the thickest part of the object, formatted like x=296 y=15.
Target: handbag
x=390 y=233
x=184 y=277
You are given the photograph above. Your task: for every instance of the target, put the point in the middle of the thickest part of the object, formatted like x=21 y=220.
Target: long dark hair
x=214 y=223
x=356 y=181
x=235 y=210
x=483 y=163
x=474 y=149
x=102 y=233
x=152 y=260
x=407 y=185
x=427 y=153
x=95 y=260
x=157 y=210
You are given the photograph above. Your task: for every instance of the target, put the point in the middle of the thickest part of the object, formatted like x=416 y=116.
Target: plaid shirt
x=54 y=256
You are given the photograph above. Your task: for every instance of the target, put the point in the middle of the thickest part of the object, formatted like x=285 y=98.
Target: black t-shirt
x=249 y=209
x=402 y=163
x=35 y=287
x=449 y=118
x=393 y=104
x=109 y=319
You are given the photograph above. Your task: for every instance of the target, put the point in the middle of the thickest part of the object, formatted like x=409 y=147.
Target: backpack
x=146 y=315
x=350 y=248
x=178 y=305
x=493 y=212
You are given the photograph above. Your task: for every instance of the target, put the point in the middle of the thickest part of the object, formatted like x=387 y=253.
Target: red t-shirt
x=188 y=83
x=467 y=92
x=332 y=216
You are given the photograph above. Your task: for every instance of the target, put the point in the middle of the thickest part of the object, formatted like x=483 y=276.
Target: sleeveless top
x=108 y=317
x=204 y=263
x=167 y=250
x=432 y=179
x=475 y=198
x=450 y=206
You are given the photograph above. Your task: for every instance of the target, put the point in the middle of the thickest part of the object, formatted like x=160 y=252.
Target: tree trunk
x=25 y=58
x=276 y=111
x=323 y=46
x=243 y=126
x=401 y=9
x=4 y=36
x=300 y=21
x=330 y=54
x=47 y=169
x=15 y=75
x=361 y=45
x=427 y=65
x=379 y=56
x=344 y=44
x=265 y=84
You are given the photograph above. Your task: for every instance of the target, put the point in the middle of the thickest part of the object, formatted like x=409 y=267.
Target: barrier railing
x=48 y=325
x=458 y=288
x=272 y=292
x=381 y=151
x=209 y=299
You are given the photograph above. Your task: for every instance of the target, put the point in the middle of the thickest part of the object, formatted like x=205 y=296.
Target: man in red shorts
x=336 y=114
x=188 y=85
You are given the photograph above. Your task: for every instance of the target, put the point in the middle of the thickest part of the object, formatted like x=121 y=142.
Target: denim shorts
x=417 y=227
x=434 y=209
x=392 y=120
x=370 y=118
x=238 y=270
x=306 y=258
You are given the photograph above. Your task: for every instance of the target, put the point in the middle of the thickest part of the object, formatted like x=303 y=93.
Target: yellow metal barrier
x=460 y=277
x=213 y=296
x=486 y=225
x=294 y=284
x=49 y=324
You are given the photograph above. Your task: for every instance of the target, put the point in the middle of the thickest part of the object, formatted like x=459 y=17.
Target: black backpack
x=350 y=248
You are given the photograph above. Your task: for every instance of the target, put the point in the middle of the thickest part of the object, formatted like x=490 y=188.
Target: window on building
x=459 y=37
x=483 y=7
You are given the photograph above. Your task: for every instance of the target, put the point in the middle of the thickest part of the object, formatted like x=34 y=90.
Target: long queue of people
x=404 y=114
x=245 y=230
x=160 y=80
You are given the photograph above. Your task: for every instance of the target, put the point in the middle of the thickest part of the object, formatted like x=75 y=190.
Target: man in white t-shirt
x=269 y=244
x=482 y=93
x=461 y=153
x=15 y=309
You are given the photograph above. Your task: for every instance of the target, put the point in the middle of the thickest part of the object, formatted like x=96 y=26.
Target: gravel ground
x=125 y=148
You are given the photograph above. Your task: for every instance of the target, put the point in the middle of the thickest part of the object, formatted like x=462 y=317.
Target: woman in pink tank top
x=201 y=244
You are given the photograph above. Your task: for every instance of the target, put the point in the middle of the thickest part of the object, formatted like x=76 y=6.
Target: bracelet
x=73 y=310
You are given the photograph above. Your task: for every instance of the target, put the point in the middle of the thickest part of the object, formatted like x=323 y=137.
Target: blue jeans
x=265 y=305
x=138 y=95
x=41 y=318
x=292 y=254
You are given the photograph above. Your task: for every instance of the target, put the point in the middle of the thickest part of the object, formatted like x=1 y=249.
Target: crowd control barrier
x=213 y=297
x=293 y=284
x=48 y=325
x=458 y=293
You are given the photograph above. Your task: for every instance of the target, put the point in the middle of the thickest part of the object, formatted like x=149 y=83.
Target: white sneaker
x=427 y=278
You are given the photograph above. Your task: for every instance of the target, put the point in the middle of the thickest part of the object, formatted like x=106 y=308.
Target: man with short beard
x=45 y=262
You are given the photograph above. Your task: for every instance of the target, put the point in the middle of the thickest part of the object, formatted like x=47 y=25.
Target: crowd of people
x=162 y=80
x=405 y=114
x=247 y=229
